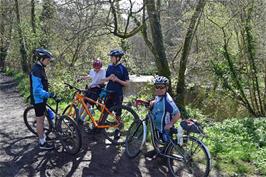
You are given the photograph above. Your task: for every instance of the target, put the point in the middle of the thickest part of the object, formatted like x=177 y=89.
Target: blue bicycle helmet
x=161 y=80
x=117 y=53
x=43 y=53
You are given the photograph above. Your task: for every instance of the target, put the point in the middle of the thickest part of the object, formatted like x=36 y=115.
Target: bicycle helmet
x=161 y=80
x=117 y=53
x=43 y=53
x=97 y=64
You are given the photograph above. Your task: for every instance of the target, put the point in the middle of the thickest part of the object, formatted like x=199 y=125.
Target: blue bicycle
x=186 y=155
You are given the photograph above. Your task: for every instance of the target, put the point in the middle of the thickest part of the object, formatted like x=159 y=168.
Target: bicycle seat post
x=57 y=105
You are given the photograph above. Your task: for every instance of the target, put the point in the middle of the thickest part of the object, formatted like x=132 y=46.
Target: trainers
x=151 y=154
x=46 y=146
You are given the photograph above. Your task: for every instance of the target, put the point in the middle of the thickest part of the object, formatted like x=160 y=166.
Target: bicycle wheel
x=135 y=139
x=117 y=135
x=30 y=121
x=192 y=159
x=72 y=111
x=68 y=134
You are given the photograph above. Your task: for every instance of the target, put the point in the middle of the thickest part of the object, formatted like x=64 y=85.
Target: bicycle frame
x=172 y=150
x=155 y=138
x=79 y=98
x=55 y=112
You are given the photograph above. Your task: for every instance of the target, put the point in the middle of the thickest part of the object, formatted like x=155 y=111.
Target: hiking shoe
x=151 y=154
x=154 y=154
x=117 y=134
x=46 y=146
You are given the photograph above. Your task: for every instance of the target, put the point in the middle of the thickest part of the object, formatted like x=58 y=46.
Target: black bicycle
x=186 y=155
x=63 y=127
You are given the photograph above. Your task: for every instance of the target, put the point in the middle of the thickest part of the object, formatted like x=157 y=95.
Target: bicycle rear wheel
x=192 y=159
x=135 y=139
x=117 y=135
x=69 y=134
x=30 y=121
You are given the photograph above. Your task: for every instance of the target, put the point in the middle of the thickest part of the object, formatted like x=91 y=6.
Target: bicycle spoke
x=119 y=124
x=195 y=159
x=69 y=134
x=135 y=138
x=30 y=121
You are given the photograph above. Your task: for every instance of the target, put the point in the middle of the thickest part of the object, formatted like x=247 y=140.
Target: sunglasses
x=160 y=87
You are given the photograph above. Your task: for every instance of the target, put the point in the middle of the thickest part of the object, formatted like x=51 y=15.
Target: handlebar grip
x=72 y=87
x=142 y=102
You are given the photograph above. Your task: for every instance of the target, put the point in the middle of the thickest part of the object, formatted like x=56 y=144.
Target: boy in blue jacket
x=39 y=93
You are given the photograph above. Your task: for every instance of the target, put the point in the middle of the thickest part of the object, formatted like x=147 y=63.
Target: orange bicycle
x=114 y=126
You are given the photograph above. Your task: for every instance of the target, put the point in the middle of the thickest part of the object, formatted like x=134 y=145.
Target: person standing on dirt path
x=96 y=75
x=39 y=93
x=165 y=111
x=117 y=77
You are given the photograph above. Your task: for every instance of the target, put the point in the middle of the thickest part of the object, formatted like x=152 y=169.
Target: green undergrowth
x=238 y=146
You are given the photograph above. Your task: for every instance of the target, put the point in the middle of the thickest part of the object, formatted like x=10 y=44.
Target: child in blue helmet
x=39 y=93
x=117 y=77
x=165 y=112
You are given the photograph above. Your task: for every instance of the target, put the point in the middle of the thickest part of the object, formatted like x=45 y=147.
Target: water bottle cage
x=50 y=114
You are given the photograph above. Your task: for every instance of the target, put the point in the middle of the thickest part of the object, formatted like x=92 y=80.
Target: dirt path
x=20 y=156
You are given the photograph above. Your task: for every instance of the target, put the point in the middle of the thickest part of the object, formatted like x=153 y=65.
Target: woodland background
x=213 y=51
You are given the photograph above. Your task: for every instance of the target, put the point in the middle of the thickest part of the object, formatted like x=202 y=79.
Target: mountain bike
x=186 y=155
x=64 y=128
x=102 y=118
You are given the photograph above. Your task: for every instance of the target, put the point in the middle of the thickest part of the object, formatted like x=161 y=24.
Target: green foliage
x=238 y=145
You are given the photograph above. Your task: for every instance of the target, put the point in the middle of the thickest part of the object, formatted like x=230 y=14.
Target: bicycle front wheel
x=135 y=139
x=30 y=121
x=117 y=135
x=69 y=134
x=192 y=159
x=71 y=111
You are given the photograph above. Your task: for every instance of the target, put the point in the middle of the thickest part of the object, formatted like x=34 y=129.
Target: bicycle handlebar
x=139 y=102
x=73 y=87
x=57 y=99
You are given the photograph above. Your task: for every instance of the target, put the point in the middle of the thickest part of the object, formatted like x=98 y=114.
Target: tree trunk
x=46 y=19
x=3 y=54
x=157 y=48
x=6 y=24
x=33 y=16
x=180 y=88
x=23 y=50
x=250 y=47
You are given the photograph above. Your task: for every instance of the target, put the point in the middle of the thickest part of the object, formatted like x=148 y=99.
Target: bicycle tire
x=30 y=121
x=128 y=116
x=74 y=114
x=187 y=160
x=69 y=134
x=135 y=139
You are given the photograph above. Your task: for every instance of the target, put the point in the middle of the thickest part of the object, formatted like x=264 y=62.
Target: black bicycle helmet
x=43 y=53
x=117 y=53
x=161 y=80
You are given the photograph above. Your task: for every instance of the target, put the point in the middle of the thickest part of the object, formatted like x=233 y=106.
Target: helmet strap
x=117 y=60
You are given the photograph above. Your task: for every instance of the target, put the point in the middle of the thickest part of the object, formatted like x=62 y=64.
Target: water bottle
x=180 y=135
x=50 y=114
x=91 y=126
x=92 y=111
